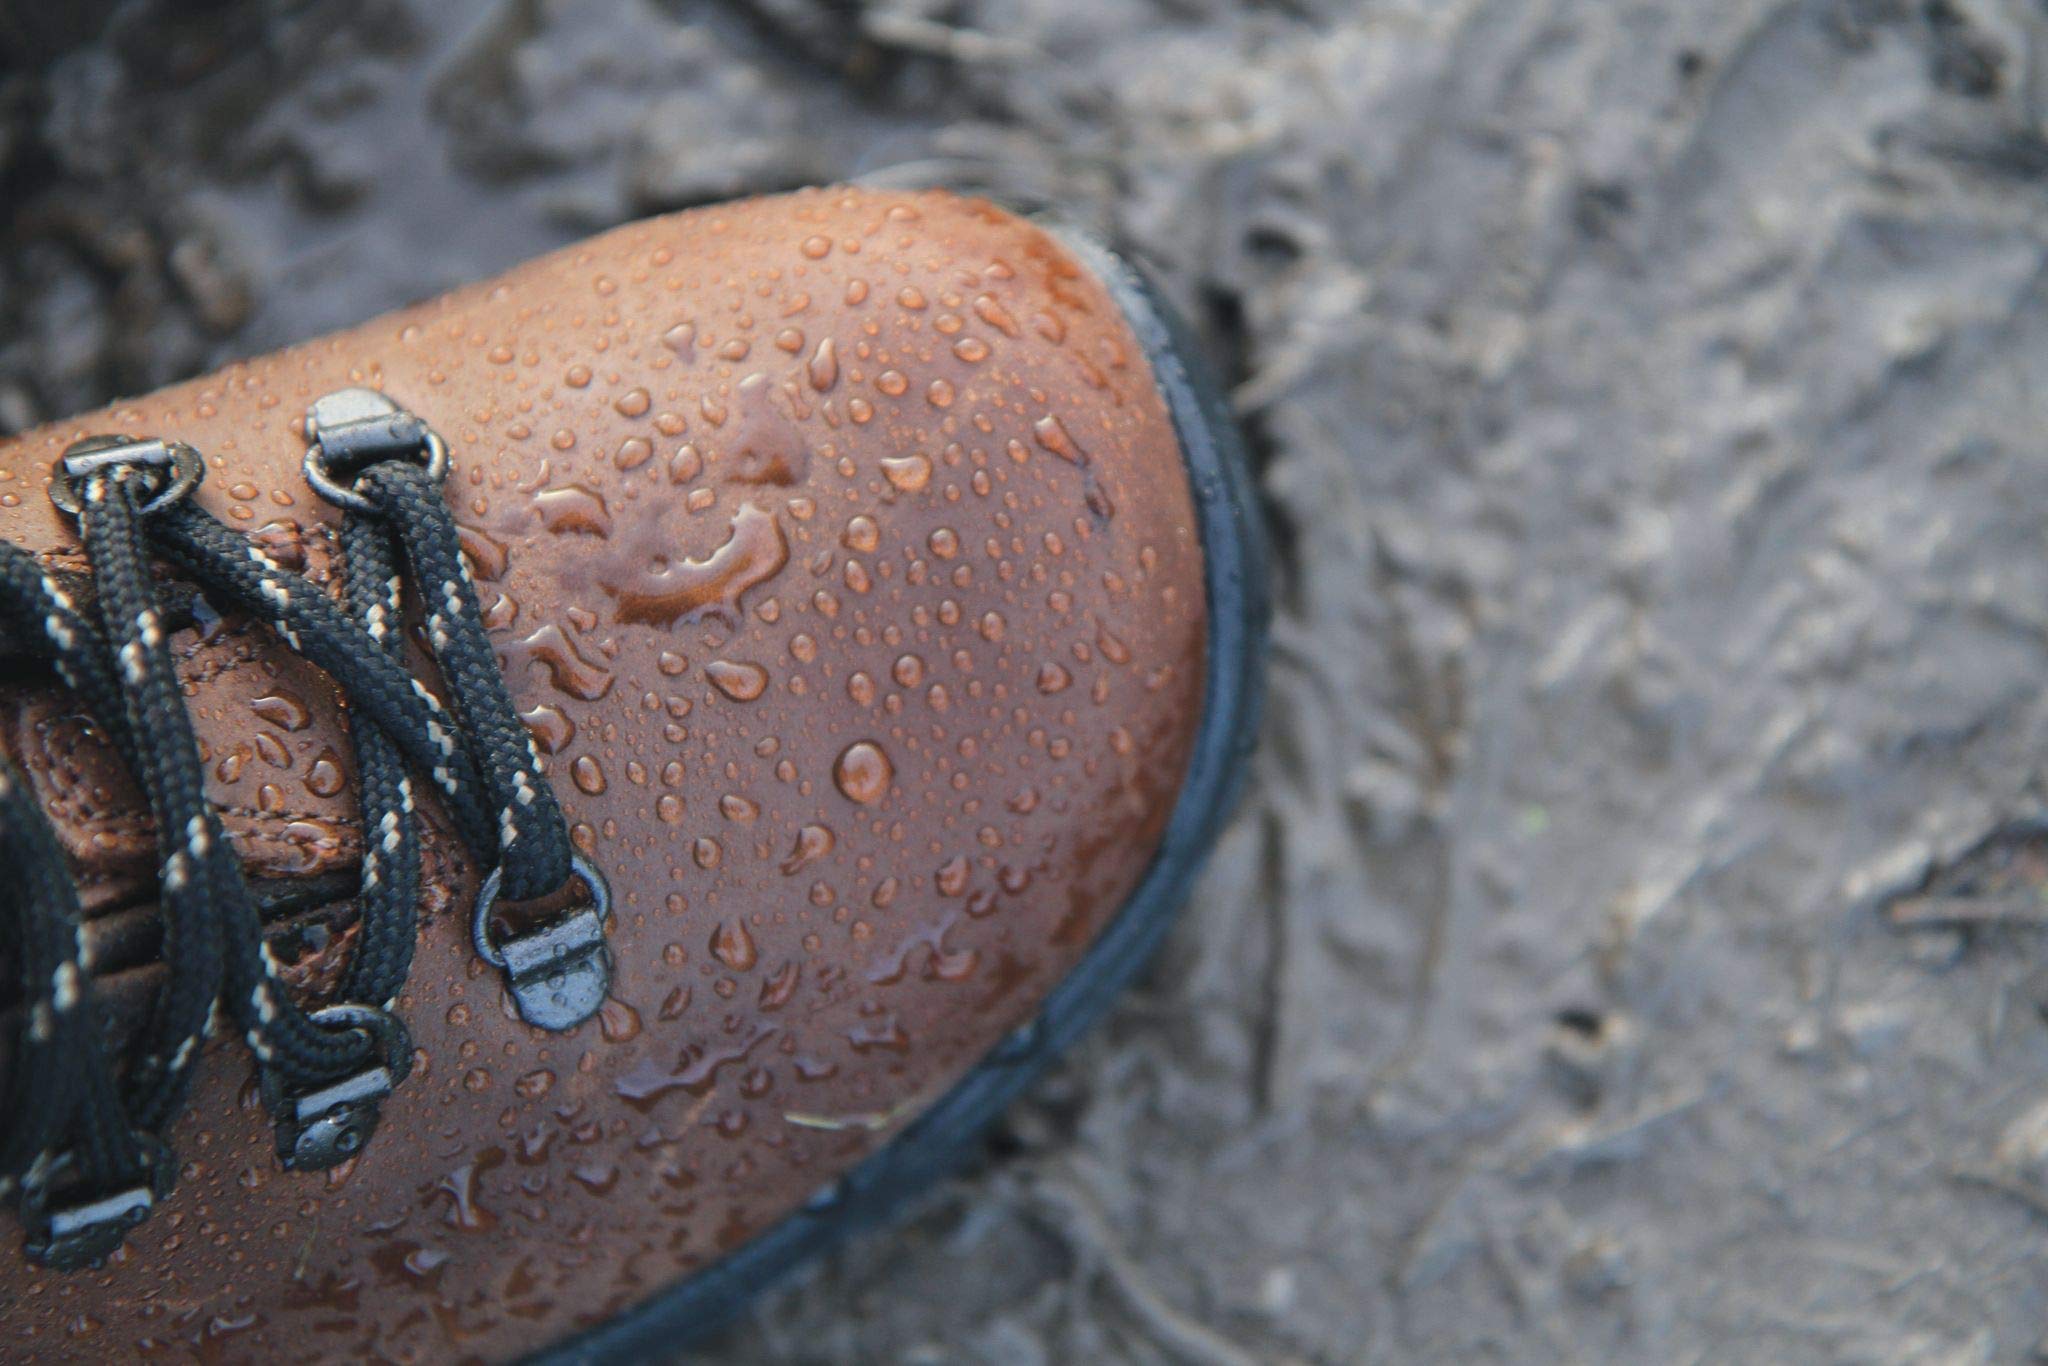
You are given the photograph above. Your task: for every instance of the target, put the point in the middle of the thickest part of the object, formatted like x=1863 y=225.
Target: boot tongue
x=278 y=764
x=278 y=769
x=310 y=927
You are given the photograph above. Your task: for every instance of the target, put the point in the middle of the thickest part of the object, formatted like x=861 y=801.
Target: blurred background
x=1631 y=945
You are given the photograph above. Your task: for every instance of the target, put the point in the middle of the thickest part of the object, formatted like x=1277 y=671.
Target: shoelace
x=82 y=1151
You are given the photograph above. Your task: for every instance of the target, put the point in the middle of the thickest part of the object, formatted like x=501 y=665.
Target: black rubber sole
x=942 y=1138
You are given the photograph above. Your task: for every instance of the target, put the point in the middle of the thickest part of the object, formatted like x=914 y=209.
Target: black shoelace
x=81 y=1150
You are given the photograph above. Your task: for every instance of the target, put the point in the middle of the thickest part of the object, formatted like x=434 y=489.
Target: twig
x=1936 y=912
x=1582 y=1145
x=1081 y=1219
x=930 y=38
x=2034 y=1199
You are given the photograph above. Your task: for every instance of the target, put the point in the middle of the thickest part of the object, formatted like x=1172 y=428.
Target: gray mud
x=1649 y=396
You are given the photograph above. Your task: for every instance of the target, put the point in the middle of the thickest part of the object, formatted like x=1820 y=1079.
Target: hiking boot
x=530 y=815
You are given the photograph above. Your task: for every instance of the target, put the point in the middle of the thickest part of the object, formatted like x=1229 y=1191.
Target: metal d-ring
x=321 y=1126
x=178 y=465
x=559 y=974
x=79 y=1228
x=351 y=429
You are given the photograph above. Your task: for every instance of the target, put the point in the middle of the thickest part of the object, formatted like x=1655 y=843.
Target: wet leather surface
x=840 y=557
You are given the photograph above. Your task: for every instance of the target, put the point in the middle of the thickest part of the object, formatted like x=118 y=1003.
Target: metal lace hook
x=352 y=429
x=177 y=468
x=322 y=1126
x=560 y=973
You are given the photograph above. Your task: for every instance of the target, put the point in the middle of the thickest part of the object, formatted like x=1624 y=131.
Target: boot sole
x=940 y=1140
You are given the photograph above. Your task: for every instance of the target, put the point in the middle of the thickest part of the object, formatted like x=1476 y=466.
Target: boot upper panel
x=840 y=558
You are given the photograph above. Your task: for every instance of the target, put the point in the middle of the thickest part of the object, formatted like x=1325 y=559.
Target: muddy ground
x=1631 y=948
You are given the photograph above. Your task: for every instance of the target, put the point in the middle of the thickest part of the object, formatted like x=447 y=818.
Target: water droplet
x=282 y=710
x=813 y=842
x=775 y=994
x=733 y=945
x=1052 y=434
x=550 y=726
x=863 y=535
x=769 y=446
x=573 y=510
x=995 y=315
x=230 y=767
x=908 y=671
x=567 y=669
x=324 y=778
x=910 y=473
x=824 y=366
x=653 y=590
x=885 y=1033
x=863 y=772
x=460 y=1186
x=487 y=557
x=617 y=1021
x=596 y=1177
x=633 y=403
x=589 y=775
x=1053 y=677
x=648 y=1080
x=741 y=681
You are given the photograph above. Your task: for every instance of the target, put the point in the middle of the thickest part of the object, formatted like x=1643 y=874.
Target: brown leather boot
x=878 y=583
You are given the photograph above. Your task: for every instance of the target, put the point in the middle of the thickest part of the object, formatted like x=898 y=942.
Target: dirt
x=1631 y=947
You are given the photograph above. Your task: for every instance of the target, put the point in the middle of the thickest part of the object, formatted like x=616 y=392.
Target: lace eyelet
x=323 y=1126
x=559 y=974
x=78 y=1228
x=351 y=429
x=176 y=465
